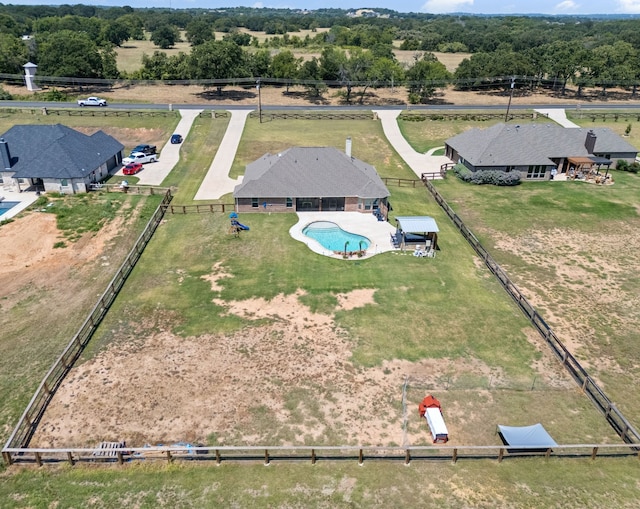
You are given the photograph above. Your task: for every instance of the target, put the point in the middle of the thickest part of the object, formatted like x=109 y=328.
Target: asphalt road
x=143 y=106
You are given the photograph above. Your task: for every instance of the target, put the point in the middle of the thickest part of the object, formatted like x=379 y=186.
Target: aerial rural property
x=382 y=296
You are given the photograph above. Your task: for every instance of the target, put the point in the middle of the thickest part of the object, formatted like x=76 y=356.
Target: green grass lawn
x=481 y=484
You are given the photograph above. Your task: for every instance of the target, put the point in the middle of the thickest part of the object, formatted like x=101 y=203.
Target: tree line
x=356 y=53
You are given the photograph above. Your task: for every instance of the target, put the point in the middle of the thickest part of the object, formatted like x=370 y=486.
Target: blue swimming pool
x=6 y=206
x=334 y=238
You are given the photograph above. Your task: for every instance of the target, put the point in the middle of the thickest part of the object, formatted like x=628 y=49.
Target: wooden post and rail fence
x=17 y=448
x=310 y=453
x=614 y=417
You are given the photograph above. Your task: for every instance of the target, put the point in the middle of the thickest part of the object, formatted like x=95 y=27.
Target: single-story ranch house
x=56 y=158
x=535 y=149
x=311 y=179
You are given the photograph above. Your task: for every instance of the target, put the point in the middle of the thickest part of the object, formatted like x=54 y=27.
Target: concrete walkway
x=22 y=200
x=217 y=182
x=154 y=174
x=419 y=163
x=558 y=115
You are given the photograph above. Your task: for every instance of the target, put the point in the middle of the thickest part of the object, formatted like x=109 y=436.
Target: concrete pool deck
x=25 y=199
x=378 y=232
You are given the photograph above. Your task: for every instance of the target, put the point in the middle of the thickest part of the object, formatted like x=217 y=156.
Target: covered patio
x=416 y=232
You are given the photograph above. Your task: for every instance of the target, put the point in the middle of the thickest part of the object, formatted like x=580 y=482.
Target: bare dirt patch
x=286 y=378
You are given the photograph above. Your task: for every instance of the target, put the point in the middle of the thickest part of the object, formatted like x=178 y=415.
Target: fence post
x=38 y=459
x=313 y=456
x=120 y=458
x=218 y=457
x=169 y=457
x=360 y=457
x=266 y=457
x=455 y=455
x=594 y=453
x=70 y=458
x=407 y=457
x=500 y=455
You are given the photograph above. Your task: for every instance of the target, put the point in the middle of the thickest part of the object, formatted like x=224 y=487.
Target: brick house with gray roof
x=56 y=158
x=311 y=179
x=535 y=149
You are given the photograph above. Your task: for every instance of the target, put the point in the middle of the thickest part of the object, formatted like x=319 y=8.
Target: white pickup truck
x=140 y=157
x=92 y=101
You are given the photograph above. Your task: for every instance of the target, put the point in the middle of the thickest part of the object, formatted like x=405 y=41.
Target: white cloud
x=258 y=5
x=629 y=6
x=444 y=6
x=566 y=5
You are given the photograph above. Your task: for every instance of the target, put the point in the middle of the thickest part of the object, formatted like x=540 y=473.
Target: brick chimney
x=5 y=155
x=590 y=142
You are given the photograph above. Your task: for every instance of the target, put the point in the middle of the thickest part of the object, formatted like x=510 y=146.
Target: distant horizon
x=601 y=8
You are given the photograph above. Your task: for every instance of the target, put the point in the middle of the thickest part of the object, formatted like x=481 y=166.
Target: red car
x=131 y=168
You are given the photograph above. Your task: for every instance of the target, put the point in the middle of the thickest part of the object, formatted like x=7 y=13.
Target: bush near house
x=494 y=177
x=633 y=167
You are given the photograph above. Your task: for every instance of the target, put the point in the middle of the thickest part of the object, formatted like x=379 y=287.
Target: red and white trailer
x=431 y=410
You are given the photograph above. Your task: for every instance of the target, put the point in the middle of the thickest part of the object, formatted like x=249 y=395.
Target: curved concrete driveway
x=154 y=174
x=217 y=182
x=419 y=163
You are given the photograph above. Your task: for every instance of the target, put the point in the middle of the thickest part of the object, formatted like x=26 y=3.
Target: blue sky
x=432 y=6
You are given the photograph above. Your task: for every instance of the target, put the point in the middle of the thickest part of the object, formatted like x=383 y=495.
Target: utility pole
x=259 y=101
x=513 y=82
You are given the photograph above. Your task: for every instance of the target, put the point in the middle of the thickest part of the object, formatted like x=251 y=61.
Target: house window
x=536 y=172
x=289 y=203
x=509 y=168
x=254 y=203
x=64 y=182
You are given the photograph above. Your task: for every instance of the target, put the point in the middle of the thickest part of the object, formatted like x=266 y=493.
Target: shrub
x=4 y=95
x=622 y=165
x=493 y=177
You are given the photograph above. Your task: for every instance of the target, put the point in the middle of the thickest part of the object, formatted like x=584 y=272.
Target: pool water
x=6 y=206
x=333 y=238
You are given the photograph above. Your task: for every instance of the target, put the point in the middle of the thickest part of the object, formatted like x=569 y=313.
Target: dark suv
x=175 y=139
x=145 y=149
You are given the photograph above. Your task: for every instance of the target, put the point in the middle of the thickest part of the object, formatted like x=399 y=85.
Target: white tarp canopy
x=417 y=224
x=527 y=436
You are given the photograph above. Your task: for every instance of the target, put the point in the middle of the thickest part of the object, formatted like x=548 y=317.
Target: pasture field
x=257 y=340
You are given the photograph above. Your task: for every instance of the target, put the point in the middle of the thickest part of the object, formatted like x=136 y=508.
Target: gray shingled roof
x=57 y=151
x=310 y=172
x=532 y=144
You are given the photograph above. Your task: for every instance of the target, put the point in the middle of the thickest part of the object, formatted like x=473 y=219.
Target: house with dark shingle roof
x=56 y=158
x=535 y=149
x=311 y=179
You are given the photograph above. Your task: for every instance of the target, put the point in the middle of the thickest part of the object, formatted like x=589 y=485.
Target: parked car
x=92 y=101
x=140 y=157
x=131 y=168
x=176 y=139
x=145 y=149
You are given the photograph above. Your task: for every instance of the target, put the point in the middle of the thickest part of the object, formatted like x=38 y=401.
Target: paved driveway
x=154 y=174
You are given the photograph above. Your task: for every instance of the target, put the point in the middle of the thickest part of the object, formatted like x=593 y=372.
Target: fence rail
x=614 y=417
x=312 y=454
x=26 y=427
x=200 y=208
x=320 y=115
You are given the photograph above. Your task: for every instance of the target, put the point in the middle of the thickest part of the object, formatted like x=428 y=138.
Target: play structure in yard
x=431 y=410
x=236 y=226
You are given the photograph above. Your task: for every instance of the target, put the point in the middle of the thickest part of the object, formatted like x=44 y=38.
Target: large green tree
x=285 y=66
x=425 y=77
x=165 y=36
x=13 y=54
x=218 y=60
x=67 y=53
